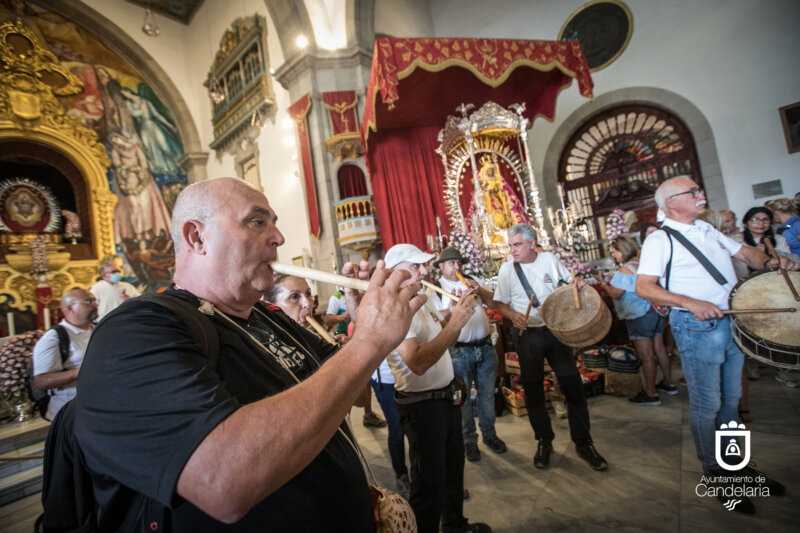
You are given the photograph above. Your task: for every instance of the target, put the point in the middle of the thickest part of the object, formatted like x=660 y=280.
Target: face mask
x=116 y=277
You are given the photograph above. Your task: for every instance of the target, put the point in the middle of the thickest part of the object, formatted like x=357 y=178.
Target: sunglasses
x=694 y=191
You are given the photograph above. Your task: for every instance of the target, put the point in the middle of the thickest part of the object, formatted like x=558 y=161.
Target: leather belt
x=414 y=397
x=480 y=342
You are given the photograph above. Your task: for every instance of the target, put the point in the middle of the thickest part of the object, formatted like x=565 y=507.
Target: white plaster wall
x=186 y=53
x=734 y=59
x=404 y=18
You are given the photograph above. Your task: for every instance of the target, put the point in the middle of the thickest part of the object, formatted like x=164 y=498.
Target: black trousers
x=533 y=345
x=436 y=451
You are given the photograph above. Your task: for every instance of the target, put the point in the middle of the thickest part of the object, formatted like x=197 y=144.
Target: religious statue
x=501 y=204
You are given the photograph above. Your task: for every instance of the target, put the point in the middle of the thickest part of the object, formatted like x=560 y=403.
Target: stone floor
x=649 y=486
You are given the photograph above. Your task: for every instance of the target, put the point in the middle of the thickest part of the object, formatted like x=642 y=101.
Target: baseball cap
x=400 y=253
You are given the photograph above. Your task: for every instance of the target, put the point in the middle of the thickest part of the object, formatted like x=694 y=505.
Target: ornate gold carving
x=60 y=283
x=25 y=286
x=30 y=80
x=105 y=202
x=345 y=146
x=83 y=275
x=4 y=275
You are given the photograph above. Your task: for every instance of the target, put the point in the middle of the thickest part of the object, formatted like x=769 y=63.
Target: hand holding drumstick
x=782 y=269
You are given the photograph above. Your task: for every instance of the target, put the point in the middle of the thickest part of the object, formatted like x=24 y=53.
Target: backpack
x=41 y=398
x=67 y=487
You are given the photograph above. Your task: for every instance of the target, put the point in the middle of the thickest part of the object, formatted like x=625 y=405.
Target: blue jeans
x=478 y=363
x=712 y=366
x=384 y=392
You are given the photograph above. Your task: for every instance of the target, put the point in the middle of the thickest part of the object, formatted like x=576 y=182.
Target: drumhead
x=768 y=290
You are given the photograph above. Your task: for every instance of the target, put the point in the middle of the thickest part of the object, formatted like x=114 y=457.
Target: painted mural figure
x=139 y=204
x=499 y=199
x=158 y=134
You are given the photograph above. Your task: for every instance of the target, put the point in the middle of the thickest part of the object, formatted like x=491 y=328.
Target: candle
x=550 y=215
x=11 y=329
x=46 y=318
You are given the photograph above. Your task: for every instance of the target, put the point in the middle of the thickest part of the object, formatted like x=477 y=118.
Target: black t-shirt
x=148 y=396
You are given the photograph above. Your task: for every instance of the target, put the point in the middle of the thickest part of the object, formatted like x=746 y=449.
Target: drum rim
x=735 y=321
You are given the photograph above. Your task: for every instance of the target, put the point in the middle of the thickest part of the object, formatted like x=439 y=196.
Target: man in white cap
x=425 y=387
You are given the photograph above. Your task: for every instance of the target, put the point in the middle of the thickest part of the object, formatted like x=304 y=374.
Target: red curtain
x=341 y=109
x=407 y=186
x=299 y=113
x=351 y=182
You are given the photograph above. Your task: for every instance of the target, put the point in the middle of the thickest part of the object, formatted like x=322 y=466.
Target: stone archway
x=675 y=104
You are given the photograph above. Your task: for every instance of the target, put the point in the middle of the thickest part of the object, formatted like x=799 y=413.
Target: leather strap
x=525 y=284
x=718 y=277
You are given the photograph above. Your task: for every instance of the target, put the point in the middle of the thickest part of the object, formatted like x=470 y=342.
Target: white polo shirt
x=687 y=275
x=47 y=358
x=425 y=326
x=478 y=326
x=543 y=275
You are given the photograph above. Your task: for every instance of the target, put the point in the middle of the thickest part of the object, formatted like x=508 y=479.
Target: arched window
x=620 y=156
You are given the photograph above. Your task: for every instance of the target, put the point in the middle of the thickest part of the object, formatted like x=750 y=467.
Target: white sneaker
x=787 y=378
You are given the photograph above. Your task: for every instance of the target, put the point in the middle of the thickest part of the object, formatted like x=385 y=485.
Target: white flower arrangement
x=473 y=262
x=40 y=265
x=615 y=225
x=14 y=359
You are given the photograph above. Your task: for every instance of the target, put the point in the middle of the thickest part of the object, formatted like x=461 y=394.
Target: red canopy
x=421 y=82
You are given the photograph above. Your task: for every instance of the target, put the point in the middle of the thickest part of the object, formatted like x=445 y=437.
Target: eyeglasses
x=756 y=220
x=90 y=301
x=694 y=191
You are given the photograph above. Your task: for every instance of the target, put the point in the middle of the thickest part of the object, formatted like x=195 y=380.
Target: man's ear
x=192 y=236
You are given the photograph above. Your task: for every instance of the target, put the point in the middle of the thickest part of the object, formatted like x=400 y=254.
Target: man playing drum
x=712 y=363
x=534 y=341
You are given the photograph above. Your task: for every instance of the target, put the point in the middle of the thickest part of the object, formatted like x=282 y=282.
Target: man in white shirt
x=111 y=291
x=534 y=341
x=474 y=358
x=669 y=274
x=50 y=373
x=424 y=389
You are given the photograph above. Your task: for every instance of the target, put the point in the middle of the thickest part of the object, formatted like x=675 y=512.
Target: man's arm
x=332 y=320
x=55 y=380
x=264 y=444
x=647 y=287
x=756 y=259
x=518 y=319
x=420 y=357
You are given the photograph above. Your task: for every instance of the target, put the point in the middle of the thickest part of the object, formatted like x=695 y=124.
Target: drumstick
x=530 y=304
x=322 y=331
x=319 y=275
x=772 y=310
x=783 y=272
x=575 y=292
x=439 y=290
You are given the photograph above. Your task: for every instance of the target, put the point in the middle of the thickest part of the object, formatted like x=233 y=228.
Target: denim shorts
x=646 y=326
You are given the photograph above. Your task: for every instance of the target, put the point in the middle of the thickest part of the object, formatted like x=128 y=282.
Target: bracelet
x=765 y=264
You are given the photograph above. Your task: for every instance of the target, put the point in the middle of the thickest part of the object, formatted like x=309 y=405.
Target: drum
x=576 y=327
x=772 y=338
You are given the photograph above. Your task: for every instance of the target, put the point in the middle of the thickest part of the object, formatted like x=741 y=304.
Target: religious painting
x=139 y=134
x=790 y=118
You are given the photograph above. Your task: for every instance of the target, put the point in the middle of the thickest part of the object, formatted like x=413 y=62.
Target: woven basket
x=576 y=327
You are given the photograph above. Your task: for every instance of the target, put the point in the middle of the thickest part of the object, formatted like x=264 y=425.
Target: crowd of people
x=229 y=413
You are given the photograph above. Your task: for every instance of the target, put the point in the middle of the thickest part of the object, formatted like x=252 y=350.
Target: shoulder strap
x=718 y=277
x=525 y=284
x=63 y=342
x=198 y=323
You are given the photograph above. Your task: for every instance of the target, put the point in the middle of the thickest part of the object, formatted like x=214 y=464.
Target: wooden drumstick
x=320 y=330
x=772 y=310
x=319 y=275
x=530 y=304
x=575 y=291
x=783 y=272
x=439 y=290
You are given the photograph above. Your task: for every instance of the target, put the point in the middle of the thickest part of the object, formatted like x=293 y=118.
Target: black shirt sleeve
x=146 y=399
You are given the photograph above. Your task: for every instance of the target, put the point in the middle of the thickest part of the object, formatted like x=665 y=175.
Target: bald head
x=200 y=201
x=79 y=307
x=667 y=189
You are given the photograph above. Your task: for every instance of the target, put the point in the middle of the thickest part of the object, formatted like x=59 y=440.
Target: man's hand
x=386 y=308
x=787 y=264
x=578 y=282
x=704 y=310
x=519 y=321
x=344 y=317
x=463 y=309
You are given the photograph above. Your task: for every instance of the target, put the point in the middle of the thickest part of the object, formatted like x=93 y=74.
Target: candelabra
x=569 y=229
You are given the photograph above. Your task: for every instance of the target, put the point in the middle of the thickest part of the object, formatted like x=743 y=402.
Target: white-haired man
x=424 y=388
x=670 y=274
x=245 y=433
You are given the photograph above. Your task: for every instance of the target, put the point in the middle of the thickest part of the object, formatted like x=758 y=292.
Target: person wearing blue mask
x=111 y=291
